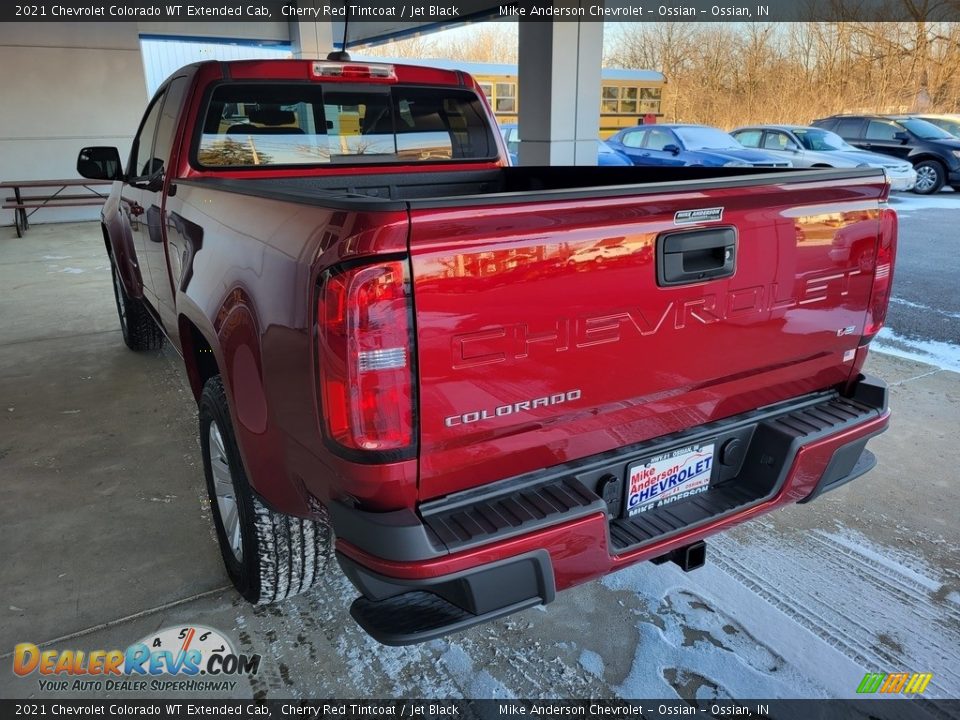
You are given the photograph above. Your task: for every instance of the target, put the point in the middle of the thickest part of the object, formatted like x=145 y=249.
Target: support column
x=559 y=91
x=311 y=40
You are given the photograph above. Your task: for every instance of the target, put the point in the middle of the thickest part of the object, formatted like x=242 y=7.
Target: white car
x=816 y=147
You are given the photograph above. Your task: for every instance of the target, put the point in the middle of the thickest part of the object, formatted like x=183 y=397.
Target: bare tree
x=729 y=75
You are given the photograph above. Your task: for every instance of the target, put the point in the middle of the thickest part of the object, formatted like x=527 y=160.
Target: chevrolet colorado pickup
x=473 y=384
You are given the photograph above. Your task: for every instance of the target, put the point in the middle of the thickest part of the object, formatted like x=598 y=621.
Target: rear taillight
x=364 y=346
x=882 y=275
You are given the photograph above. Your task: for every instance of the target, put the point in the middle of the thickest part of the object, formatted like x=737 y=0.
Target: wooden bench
x=21 y=204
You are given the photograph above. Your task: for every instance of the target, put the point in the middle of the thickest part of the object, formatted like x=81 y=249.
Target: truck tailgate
x=549 y=330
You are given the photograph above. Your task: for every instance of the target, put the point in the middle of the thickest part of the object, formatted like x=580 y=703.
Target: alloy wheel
x=225 y=492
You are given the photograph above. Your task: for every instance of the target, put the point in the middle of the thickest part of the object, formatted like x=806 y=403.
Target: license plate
x=669 y=477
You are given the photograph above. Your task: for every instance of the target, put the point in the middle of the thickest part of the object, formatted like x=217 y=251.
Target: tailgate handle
x=693 y=256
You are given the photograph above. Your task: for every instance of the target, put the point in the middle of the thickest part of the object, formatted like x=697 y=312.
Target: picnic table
x=21 y=204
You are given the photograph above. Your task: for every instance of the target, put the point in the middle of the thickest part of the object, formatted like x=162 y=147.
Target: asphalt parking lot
x=107 y=535
x=925 y=312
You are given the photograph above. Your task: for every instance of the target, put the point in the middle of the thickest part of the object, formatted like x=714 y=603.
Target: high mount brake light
x=364 y=347
x=353 y=71
x=882 y=275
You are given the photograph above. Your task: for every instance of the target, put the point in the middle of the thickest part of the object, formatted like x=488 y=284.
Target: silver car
x=816 y=147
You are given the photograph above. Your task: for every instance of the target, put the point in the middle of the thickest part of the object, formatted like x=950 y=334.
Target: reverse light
x=882 y=275
x=354 y=71
x=364 y=338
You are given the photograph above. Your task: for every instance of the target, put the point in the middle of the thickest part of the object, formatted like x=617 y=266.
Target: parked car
x=387 y=345
x=950 y=123
x=816 y=147
x=511 y=136
x=684 y=145
x=934 y=153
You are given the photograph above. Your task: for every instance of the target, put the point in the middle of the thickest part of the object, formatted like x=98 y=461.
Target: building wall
x=278 y=32
x=161 y=57
x=65 y=86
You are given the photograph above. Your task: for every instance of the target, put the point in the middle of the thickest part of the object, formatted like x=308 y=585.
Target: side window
x=506 y=97
x=167 y=127
x=634 y=139
x=849 y=128
x=609 y=97
x=659 y=139
x=881 y=130
x=749 y=138
x=140 y=159
x=628 y=100
x=775 y=141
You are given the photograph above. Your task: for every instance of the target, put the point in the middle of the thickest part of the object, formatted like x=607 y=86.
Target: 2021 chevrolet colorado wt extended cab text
x=392 y=335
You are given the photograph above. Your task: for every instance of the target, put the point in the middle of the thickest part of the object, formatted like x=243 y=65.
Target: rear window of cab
x=256 y=125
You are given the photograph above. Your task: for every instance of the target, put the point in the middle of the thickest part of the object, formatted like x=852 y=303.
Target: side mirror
x=100 y=163
x=671 y=148
x=902 y=136
x=793 y=147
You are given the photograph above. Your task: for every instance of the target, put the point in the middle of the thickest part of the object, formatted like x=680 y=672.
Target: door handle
x=692 y=256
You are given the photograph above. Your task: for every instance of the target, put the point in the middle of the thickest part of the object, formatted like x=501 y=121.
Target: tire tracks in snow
x=878 y=612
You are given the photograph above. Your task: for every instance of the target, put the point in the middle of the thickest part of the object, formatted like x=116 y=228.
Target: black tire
x=140 y=332
x=279 y=555
x=930 y=177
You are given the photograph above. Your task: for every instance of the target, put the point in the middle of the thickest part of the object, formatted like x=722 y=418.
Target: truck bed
x=429 y=190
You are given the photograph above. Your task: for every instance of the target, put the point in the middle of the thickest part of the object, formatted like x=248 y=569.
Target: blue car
x=688 y=145
x=605 y=154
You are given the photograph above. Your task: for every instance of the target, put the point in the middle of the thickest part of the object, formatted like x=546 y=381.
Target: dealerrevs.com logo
x=184 y=658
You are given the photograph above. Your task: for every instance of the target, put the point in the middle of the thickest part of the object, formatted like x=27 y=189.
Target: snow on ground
x=803 y=614
x=933 y=352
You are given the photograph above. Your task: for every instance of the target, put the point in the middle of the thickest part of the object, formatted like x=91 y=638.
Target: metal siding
x=162 y=57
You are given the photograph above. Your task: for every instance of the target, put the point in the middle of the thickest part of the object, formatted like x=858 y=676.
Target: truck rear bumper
x=487 y=552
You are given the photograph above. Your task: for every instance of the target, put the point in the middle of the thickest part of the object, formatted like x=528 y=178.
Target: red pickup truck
x=487 y=383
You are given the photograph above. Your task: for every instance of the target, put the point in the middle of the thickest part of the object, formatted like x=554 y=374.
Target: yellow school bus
x=626 y=96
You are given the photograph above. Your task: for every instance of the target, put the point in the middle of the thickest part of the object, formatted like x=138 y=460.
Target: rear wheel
x=140 y=332
x=268 y=555
x=930 y=177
